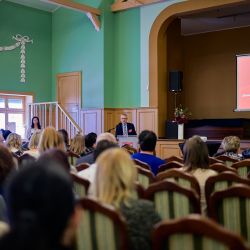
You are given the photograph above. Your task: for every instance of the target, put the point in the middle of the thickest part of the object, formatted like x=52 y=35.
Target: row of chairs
x=102 y=227
x=228 y=199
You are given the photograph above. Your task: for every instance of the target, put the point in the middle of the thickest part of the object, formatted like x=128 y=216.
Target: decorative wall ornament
x=21 y=41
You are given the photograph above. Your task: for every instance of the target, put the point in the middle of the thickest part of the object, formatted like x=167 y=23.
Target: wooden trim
x=75 y=6
x=120 y=5
x=95 y=20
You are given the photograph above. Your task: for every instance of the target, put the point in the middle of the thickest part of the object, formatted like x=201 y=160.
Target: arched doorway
x=158 y=50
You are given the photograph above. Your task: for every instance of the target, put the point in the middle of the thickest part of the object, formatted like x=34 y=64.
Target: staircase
x=53 y=114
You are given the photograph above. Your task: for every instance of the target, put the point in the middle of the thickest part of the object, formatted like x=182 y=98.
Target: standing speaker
x=175 y=81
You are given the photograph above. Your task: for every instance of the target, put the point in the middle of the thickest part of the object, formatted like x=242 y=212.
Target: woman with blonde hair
x=115 y=178
x=231 y=147
x=14 y=143
x=77 y=145
x=33 y=144
x=50 y=138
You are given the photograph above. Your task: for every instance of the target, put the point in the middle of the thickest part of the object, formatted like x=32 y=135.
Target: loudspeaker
x=171 y=130
x=175 y=81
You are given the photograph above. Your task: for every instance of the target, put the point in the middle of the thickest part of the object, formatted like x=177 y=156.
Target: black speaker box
x=175 y=81
x=171 y=130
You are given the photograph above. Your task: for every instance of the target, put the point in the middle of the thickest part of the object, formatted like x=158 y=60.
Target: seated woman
x=196 y=162
x=65 y=136
x=14 y=144
x=77 y=145
x=33 y=145
x=50 y=138
x=35 y=127
x=231 y=147
x=41 y=211
x=115 y=178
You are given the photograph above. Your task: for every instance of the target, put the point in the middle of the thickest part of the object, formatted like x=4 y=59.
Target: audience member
x=41 y=210
x=5 y=133
x=50 y=138
x=77 y=145
x=124 y=127
x=115 y=178
x=33 y=144
x=56 y=155
x=147 y=143
x=231 y=147
x=90 y=142
x=35 y=127
x=65 y=136
x=14 y=144
x=7 y=165
x=102 y=145
x=196 y=162
x=89 y=158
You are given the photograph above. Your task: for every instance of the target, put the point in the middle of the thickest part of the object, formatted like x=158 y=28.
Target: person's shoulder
x=88 y=158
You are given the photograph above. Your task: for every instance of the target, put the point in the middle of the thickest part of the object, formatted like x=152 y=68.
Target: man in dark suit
x=124 y=127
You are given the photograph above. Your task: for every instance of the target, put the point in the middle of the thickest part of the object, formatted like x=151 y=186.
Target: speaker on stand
x=175 y=86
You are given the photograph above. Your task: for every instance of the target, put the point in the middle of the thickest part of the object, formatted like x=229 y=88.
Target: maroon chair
x=196 y=228
x=169 y=165
x=142 y=164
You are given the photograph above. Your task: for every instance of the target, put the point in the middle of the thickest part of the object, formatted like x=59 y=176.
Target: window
x=12 y=113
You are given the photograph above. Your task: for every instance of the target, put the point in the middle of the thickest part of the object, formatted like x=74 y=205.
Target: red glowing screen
x=243 y=82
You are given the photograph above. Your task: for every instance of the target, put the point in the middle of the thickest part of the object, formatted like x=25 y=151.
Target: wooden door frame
x=76 y=73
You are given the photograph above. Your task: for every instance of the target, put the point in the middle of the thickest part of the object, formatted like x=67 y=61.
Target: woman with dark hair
x=196 y=162
x=35 y=127
x=41 y=210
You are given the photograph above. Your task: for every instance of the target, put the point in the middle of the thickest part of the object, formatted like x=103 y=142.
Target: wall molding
x=100 y=120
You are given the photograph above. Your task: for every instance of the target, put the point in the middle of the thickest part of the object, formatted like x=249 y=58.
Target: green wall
x=16 y=19
x=76 y=46
x=109 y=59
x=127 y=58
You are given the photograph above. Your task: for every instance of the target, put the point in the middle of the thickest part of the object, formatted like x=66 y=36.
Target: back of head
x=147 y=140
x=231 y=144
x=14 y=140
x=34 y=140
x=102 y=146
x=40 y=202
x=65 y=136
x=7 y=163
x=195 y=153
x=106 y=136
x=77 y=145
x=115 y=177
x=90 y=140
x=50 y=138
x=56 y=155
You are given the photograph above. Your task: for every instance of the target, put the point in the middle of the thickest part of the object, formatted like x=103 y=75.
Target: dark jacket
x=140 y=217
x=130 y=126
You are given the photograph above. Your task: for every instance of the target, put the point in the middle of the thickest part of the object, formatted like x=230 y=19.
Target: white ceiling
x=37 y=4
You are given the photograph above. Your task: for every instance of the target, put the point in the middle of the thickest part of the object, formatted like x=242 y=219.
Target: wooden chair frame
x=195 y=224
x=82 y=166
x=224 y=176
x=110 y=212
x=243 y=163
x=221 y=167
x=171 y=186
x=226 y=158
x=169 y=165
x=238 y=190
x=147 y=173
x=142 y=164
x=174 y=158
x=213 y=160
x=175 y=173
x=80 y=181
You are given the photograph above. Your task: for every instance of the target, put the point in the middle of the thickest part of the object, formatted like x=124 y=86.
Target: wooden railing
x=53 y=114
